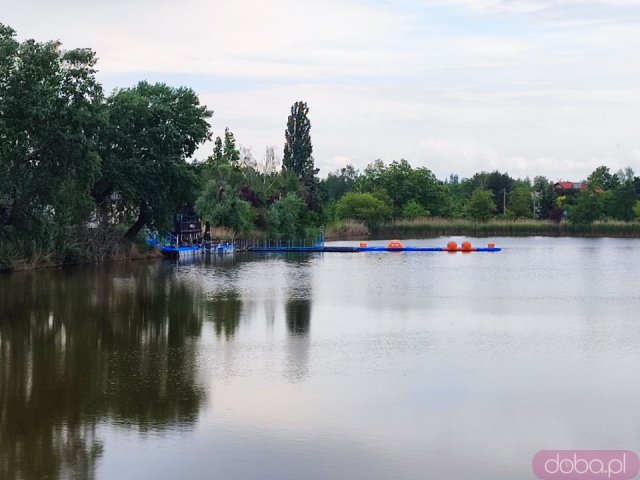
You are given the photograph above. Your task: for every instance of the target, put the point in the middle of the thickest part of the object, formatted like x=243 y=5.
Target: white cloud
x=561 y=134
x=335 y=163
x=527 y=86
x=553 y=12
x=282 y=38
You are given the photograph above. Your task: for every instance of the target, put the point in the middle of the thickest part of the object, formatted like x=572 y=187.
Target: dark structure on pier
x=187 y=229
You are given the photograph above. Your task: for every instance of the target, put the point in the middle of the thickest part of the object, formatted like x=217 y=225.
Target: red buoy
x=395 y=244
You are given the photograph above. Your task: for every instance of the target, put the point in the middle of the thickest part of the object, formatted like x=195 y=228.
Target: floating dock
x=393 y=246
x=173 y=251
x=189 y=250
x=260 y=249
x=429 y=249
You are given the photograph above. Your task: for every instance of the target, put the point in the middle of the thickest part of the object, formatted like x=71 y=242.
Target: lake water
x=322 y=366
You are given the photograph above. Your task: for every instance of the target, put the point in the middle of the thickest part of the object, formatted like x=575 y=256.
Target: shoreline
x=26 y=266
x=399 y=235
x=406 y=230
x=502 y=228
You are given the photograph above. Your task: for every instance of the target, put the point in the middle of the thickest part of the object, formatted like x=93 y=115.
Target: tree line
x=397 y=191
x=84 y=174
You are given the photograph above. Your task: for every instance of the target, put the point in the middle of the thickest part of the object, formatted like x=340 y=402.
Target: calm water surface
x=334 y=366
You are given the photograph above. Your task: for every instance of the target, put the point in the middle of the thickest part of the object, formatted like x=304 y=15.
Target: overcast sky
x=531 y=87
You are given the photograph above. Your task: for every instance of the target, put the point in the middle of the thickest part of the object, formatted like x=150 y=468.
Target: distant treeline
x=384 y=194
x=84 y=176
x=437 y=227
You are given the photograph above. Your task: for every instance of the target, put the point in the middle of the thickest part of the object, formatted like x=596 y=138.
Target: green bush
x=481 y=206
x=364 y=207
x=413 y=210
x=286 y=218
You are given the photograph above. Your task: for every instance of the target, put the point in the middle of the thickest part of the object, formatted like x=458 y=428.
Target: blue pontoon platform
x=173 y=251
x=381 y=248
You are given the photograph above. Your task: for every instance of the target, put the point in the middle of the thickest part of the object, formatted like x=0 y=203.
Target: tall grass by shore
x=435 y=227
x=106 y=245
x=346 y=229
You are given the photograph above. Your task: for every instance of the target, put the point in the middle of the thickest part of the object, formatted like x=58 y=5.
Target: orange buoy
x=363 y=244
x=466 y=246
x=395 y=244
x=452 y=246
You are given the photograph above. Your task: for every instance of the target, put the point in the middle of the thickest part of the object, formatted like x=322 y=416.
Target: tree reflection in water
x=298 y=313
x=85 y=345
x=298 y=318
x=225 y=311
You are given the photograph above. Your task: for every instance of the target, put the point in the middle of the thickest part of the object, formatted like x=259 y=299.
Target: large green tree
x=152 y=131
x=623 y=197
x=544 y=196
x=224 y=150
x=402 y=183
x=364 y=207
x=286 y=218
x=500 y=184
x=298 y=150
x=413 y=210
x=481 y=206
x=339 y=182
x=519 y=203
x=219 y=202
x=228 y=210
x=49 y=116
x=602 y=178
x=588 y=208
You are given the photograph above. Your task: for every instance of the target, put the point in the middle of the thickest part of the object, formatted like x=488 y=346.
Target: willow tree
x=298 y=150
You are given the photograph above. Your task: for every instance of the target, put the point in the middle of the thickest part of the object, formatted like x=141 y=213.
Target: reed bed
x=435 y=227
x=347 y=229
x=223 y=233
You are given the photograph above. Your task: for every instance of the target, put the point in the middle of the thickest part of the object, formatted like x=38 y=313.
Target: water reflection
x=80 y=346
x=225 y=311
x=298 y=318
x=298 y=314
x=325 y=366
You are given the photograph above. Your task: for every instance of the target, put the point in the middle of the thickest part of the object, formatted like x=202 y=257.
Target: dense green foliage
x=82 y=174
x=481 y=205
x=588 y=207
x=151 y=130
x=340 y=182
x=364 y=207
x=298 y=151
x=413 y=210
x=520 y=201
x=225 y=211
x=401 y=183
x=50 y=117
x=543 y=196
x=286 y=218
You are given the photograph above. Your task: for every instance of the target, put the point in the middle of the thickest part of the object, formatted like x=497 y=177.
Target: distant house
x=570 y=187
x=566 y=188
